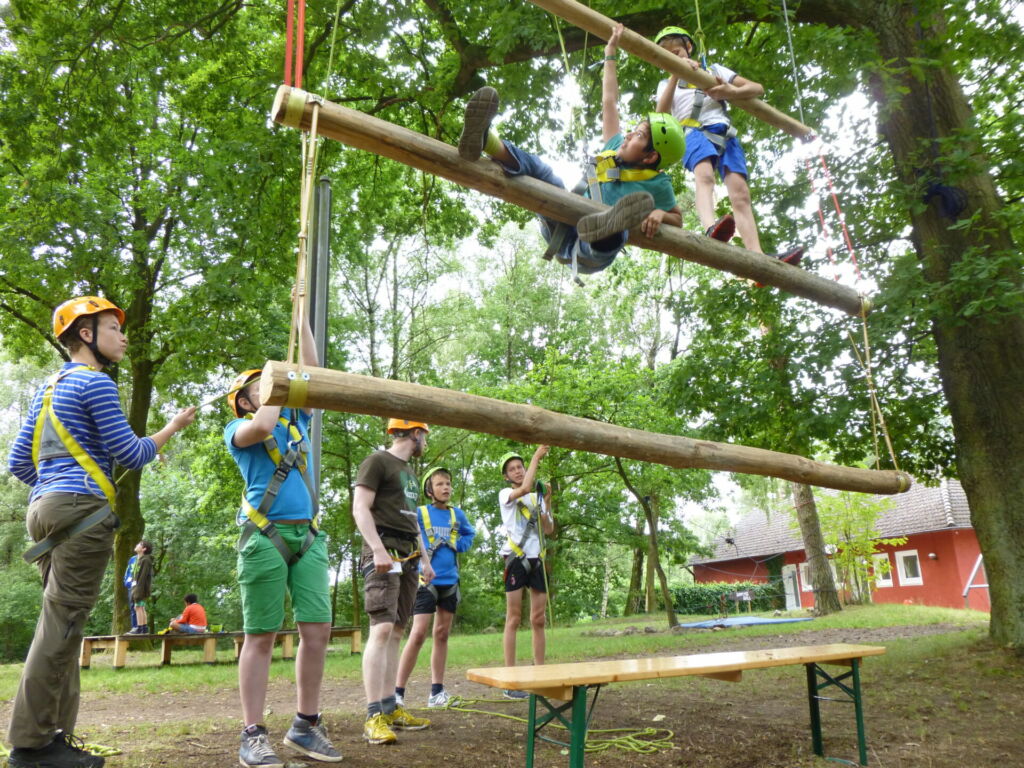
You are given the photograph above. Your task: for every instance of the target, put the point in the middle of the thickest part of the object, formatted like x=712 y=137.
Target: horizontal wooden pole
x=598 y=24
x=352 y=393
x=294 y=107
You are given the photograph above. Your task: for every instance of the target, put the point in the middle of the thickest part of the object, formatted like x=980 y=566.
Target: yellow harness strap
x=47 y=424
x=606 y=169
x=524 y=510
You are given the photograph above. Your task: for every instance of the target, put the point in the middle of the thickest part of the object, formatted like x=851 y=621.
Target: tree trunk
x=606 y=583
x=979 y=349
x=826 y=600
x=651 y=510
x=633 y=594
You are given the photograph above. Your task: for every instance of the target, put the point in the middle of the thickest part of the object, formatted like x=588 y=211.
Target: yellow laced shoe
x=401 y=718
x=377 y=730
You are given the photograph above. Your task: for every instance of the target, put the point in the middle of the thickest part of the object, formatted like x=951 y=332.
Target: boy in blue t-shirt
x=446 y=531
x=287 y=556
x=629 y=171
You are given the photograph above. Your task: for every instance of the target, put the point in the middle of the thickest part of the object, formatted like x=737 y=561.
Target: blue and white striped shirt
x=87 y=404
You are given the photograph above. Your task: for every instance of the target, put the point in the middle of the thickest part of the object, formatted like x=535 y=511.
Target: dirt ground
x=950 y=712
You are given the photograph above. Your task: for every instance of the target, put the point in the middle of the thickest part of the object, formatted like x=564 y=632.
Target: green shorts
x=143 y=603
x=265 y=577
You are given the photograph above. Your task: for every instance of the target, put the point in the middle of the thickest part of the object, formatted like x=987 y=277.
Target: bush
x=713 y=598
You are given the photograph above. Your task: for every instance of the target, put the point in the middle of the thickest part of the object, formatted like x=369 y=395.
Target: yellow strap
x=298 y=390
x=85 y=461
x=262 y=521
x=606 y=161
x=429 y=527
x=524 y=510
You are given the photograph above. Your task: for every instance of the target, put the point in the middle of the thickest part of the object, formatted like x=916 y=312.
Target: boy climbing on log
x=711 y=143
x=628 y=174
x=523 y=509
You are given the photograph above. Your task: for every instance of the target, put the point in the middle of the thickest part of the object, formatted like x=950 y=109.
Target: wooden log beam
x=281 y=384
x=294 y=108
x=598 y=24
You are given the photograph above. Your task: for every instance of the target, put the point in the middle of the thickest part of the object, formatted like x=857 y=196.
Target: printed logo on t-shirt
x=411 y=489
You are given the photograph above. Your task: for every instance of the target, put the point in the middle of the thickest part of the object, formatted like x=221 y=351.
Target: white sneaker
x=439 y=700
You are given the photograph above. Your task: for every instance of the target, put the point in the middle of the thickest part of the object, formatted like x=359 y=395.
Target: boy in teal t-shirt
x=629 y=172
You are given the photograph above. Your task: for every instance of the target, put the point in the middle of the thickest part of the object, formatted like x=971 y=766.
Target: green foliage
x=715 y=598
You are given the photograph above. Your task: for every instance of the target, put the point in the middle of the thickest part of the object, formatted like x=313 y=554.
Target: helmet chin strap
x=102 y=359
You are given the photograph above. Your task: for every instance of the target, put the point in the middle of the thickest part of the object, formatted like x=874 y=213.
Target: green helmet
x=668 y=31
x=667 y=138
x=428 y=487
x=507 y=458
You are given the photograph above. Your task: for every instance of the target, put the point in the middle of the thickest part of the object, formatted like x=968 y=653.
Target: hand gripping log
x=352 y=393
x=293 y=107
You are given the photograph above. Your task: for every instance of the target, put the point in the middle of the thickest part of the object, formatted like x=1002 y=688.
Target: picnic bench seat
x=121 y=643
x=570 y=683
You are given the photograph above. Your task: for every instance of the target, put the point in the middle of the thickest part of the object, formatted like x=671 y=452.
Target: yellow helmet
x=402 y=425
x=242 y=380
x=72 y=309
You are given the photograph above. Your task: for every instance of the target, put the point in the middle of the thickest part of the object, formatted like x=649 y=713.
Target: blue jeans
x=589 y=259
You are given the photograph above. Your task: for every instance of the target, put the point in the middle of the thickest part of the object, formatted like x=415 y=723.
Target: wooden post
x=638 y=45
x=340 y=391
x=293 y=107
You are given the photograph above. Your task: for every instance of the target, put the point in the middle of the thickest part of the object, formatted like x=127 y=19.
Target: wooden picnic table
x=570 y=684
x=208 y=640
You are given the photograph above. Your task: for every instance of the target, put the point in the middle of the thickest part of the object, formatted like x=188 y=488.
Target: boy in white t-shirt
x=711 y=141
x=522 y=510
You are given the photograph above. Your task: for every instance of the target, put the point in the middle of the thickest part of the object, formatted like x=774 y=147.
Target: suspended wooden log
x=282 y=384
x=294 y=107
x=600 y=25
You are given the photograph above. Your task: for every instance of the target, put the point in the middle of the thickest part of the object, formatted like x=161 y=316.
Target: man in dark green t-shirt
x=384 y=508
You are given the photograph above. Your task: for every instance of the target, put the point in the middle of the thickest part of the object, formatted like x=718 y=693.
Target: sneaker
x=792 y=256
x=140 y=630
x=627 y=212
x=439 y=700
x=377 y=730
x=65 y=751
x=256 y=751
x=311 y=740
x=402 y=718
x=508 y=693
x=480 y=111
x=723 y=229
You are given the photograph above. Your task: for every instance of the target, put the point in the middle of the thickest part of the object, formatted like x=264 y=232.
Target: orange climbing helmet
x=72 y=309
x=242 y=380
x=402 y=425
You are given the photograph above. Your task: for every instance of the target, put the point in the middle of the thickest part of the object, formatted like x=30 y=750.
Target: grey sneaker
x=65 y=751
x=256 y=751
x=439 y=700
x=311 y=740
x=508 y=693
x=480 y=111
x=627 y=212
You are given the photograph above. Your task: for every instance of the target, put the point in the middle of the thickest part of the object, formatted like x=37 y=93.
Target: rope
x=309 y=152
x=701 y=40
x=644 y=741
x=792 y=61
x=334 y=37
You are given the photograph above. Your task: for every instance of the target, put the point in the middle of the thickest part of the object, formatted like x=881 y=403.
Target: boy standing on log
x=523 y=508
x=66 y=451
x=628 y=174
x=280 y=551
x=711 y=141
x=394 y=558
x=447 y=532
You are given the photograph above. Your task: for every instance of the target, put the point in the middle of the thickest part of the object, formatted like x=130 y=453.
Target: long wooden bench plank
x=571 y=682
x=550 y=676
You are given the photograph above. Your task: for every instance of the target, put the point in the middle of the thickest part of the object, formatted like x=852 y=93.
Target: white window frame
x=908 y=581
x=882 y=579
x=805 y=576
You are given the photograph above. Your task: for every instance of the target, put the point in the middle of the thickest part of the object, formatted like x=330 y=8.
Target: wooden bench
x=570 y=683
x=121 y=643
x=287 y=639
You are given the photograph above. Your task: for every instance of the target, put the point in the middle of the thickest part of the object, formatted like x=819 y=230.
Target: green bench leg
x=853 y=695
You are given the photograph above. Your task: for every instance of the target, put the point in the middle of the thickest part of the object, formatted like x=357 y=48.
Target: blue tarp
x=738 y=621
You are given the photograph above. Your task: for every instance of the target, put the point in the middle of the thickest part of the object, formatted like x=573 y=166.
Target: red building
x=940 y=558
